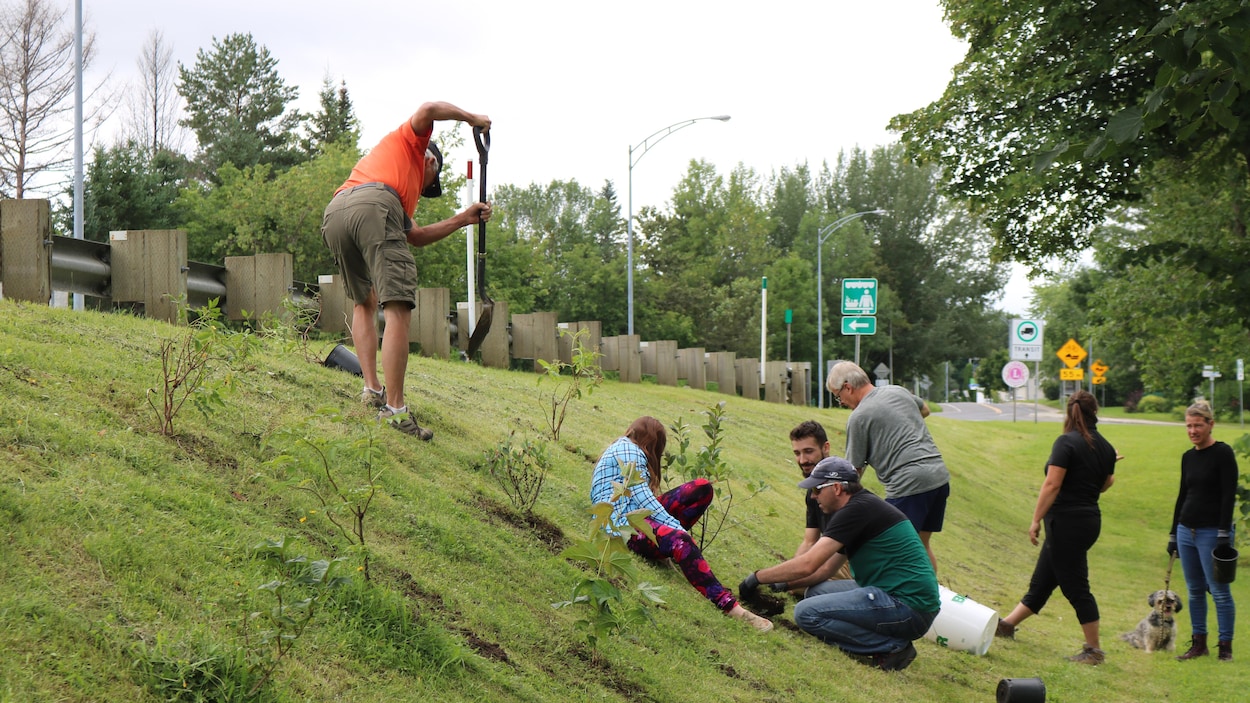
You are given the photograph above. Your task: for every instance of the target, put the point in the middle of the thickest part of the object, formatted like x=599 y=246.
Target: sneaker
x=1088 y=655
x=402 y=420
x=762 y=625
x=1005 y=629
x=373 y=399
x=897 y=660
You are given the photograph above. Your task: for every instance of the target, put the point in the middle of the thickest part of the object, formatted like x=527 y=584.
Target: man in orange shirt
x=368 y=227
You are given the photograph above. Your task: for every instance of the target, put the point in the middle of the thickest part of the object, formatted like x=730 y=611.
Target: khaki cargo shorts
x=364 y=229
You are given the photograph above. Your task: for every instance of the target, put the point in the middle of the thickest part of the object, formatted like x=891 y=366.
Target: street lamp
x=641 y=150
x=821 y=236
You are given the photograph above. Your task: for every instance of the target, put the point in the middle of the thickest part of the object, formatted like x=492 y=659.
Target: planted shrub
x=520 y=470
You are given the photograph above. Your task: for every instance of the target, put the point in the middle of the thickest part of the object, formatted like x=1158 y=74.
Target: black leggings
x=1063 y=563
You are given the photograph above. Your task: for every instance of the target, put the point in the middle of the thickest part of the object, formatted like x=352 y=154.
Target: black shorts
x=927 y=511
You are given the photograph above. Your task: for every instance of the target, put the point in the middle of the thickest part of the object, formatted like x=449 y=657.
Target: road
x=1023 y=411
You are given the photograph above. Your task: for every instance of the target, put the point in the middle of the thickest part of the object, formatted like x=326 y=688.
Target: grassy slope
x=113 y=534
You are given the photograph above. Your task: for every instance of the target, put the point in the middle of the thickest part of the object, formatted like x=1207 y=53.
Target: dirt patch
x=547 y=533
x=764 y=604
x=434 y=607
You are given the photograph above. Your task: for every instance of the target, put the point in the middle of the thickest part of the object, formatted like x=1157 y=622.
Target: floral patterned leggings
x=687 y=504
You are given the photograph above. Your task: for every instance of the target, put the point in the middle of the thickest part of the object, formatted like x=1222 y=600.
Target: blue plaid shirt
x=609 y=469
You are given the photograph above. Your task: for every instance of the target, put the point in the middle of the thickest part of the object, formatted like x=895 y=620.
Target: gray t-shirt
x=887 y=431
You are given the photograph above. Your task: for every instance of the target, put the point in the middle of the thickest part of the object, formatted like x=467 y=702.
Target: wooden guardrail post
x=775 y=381
x=258 y=284
x=26 y=250
x=691 y=367
x=721 y=369
x=429 y=326
x=150 y=267
x=747 y=376
x=801 y=383
x=659 y=359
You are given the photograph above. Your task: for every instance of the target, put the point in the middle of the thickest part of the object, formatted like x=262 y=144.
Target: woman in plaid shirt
x=672 y=514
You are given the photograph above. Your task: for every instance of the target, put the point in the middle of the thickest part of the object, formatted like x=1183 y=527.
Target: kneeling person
x=893 y=598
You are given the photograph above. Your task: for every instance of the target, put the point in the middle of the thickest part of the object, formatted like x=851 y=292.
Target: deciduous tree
x=1059 y=110
x=37 y=93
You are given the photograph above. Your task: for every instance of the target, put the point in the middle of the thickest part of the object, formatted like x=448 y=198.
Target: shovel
x=488 y=306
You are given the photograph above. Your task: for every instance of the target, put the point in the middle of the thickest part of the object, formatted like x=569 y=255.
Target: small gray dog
x=1157 y=631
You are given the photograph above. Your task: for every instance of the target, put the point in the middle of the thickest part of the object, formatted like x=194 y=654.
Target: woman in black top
x=1081 y=467
x=1202 y=521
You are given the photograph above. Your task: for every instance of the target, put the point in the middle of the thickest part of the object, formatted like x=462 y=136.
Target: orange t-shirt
x=398 y=161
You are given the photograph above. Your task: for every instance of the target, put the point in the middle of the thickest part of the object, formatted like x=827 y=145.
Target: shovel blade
x=482 y=327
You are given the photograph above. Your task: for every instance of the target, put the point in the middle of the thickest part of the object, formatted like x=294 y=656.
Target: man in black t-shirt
x=811 y=444
x=894 y=596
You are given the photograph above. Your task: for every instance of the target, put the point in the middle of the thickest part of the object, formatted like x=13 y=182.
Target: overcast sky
x=571 y=85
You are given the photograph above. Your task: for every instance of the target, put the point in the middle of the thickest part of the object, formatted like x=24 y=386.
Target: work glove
x=1223 y=538
x=1171 y=545
x=778 y=587
x=749 y=587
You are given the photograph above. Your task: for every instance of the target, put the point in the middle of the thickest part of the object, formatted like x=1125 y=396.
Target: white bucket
x=963 y=624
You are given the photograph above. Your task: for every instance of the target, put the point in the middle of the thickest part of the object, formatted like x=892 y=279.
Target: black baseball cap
x=436 y=188
x=833 y=468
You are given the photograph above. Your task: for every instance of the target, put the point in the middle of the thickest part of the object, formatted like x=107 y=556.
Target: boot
x=1198 y=648
x=1226 y=651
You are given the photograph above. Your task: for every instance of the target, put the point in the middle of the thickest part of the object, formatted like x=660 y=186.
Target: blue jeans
x=859 y=620
x=1195 y=547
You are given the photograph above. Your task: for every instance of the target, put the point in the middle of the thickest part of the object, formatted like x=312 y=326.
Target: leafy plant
x=296 y=595
x=328 y=465
x=186 y=369
x=519 y=470
x=605 y=553
x=706 y=463
x=1153 y=404
x=295 y=327
x=212 y=671
x=584 y=375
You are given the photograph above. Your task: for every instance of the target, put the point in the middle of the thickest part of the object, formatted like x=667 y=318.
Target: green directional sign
x=859 y=296
x=859 y=324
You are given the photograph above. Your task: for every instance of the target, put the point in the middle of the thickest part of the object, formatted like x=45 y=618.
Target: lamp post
x=641 y=150
x=821 y=235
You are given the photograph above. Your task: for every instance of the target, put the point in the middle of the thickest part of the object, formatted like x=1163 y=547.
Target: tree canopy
x=237 y=106
x=1059 y=110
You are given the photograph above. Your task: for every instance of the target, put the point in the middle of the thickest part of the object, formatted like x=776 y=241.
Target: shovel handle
x=482 y=140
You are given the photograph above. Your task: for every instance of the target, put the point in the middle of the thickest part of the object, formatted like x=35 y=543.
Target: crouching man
x=893 y=596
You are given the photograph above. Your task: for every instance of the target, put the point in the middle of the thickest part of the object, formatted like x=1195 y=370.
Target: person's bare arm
x=423 y=119
x=420 y=236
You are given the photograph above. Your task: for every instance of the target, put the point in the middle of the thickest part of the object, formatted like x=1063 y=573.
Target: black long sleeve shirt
x=1208 y=488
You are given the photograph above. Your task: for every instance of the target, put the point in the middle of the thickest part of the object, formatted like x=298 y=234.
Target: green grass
x=123 y=547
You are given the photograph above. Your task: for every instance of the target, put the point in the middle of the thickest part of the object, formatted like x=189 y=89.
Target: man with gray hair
x=887 y=430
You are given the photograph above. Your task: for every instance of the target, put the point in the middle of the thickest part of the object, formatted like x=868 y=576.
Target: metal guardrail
x=83 y=266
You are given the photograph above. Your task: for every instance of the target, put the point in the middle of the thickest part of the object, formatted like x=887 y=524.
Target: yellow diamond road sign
x=1071 y=354
x=1099 y=368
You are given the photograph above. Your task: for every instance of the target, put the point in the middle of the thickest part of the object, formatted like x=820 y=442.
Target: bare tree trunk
x=37 y=92
x=155 y=105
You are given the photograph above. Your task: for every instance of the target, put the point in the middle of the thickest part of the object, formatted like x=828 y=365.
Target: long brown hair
x=1081 y=415
x=650 y=436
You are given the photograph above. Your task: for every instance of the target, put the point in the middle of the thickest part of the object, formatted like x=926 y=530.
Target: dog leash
x=1167 y=580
